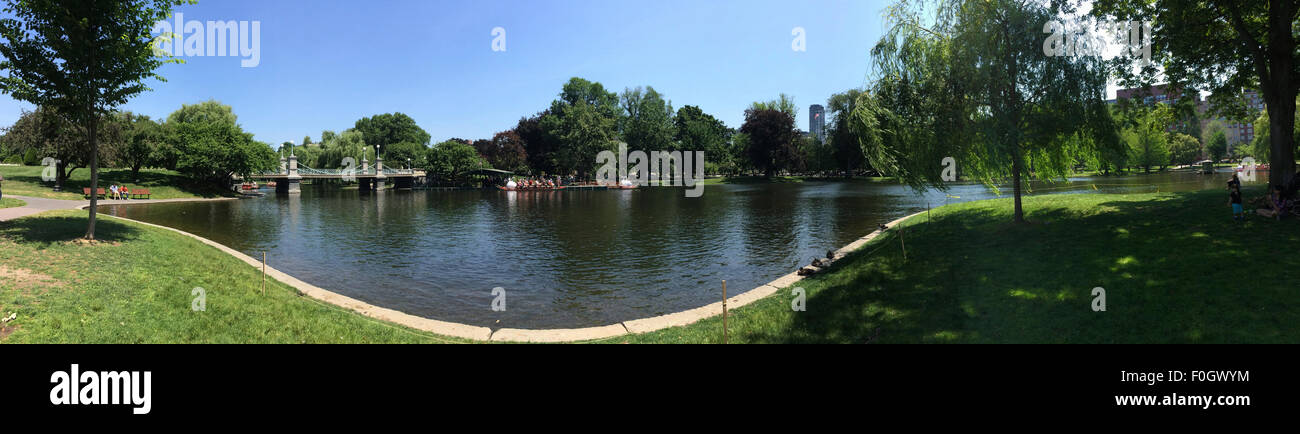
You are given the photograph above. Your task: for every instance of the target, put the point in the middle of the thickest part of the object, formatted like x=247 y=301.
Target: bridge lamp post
x=294 y=179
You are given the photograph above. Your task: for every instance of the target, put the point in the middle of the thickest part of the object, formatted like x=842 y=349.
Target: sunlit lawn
x=138 y=287
x=9 y=202
x=162 y=184
x=1175 y=269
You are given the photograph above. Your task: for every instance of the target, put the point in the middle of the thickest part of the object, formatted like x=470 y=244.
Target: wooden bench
x=136 y=193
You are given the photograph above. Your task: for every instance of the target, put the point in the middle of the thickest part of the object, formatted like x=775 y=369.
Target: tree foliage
x=212 y=147
x=1224 y=46
x=81 y=59
x=450 y=160
x=771 y=139
x=390 y=128
x=977 y=71
x=505 y=151
x=646 y=123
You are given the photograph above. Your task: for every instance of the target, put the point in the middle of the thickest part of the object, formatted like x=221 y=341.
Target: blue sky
x=325 y=64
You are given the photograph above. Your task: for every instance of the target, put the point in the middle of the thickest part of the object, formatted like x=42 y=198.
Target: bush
x=30 y=158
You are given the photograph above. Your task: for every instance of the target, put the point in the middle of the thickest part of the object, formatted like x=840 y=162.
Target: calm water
x=567 y=259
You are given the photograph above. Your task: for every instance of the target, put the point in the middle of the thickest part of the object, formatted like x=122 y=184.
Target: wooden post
x=724 y=312
x=902 y=240
x=263 y=272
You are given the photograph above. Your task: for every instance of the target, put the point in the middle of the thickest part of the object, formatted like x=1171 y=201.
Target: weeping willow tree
x=973 y=80
x=336 y=147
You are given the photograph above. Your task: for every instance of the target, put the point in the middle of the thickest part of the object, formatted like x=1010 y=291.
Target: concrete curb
x=478 y=333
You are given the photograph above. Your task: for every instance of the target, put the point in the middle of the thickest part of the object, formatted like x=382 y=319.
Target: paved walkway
x=36 y=205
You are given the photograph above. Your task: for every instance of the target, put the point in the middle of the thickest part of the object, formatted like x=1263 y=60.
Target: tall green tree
x=348 y=144
x=1184 y=149
x=141 y=143
x=505 y=151
x=1216 y=141
x=699 y=131
x=1148 y=143
x=213 y=147
x=783 y=103
x=646 y=123
x=538 y=145
x=81 y=58
x=844 y=144
x=583 y=122
x=449 y=161
x=403 y=154
x=390 y=128
x=771 y=140
x=1225 y=46
x=971 y=80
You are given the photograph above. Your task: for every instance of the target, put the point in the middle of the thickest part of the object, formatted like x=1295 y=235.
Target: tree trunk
x=93 y=127
x=1015 y=180
x=1280 y=92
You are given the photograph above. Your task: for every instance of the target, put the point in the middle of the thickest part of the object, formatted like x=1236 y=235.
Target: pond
x=569 y=258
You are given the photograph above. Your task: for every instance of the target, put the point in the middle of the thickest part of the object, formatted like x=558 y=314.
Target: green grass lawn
x=1175 y=268
x=10 y=202
x=137 y=285
x=162 y=184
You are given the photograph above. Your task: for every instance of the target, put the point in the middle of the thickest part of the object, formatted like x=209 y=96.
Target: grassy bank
x=1175 y=269
x=10 y=202
x=162 y=184
x=137 y=287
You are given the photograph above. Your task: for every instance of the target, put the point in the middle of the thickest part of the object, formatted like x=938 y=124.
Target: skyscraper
x=817 y=122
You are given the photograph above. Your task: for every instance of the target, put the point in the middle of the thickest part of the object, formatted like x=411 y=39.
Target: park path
x=36 y=205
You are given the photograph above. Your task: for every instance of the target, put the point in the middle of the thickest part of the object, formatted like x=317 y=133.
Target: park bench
x=136 y=193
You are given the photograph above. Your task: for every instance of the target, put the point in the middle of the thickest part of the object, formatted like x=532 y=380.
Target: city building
x=1237 y=132
x=817 y=122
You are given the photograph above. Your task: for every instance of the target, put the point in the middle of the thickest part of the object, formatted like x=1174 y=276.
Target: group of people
x=1277 y=205
x=539 y=182
x=119 y=192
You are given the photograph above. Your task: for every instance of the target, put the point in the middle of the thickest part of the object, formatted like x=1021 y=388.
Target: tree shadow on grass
x=44 y=231
x=1175 y=268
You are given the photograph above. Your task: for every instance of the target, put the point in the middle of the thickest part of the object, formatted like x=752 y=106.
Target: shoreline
x=486 y=334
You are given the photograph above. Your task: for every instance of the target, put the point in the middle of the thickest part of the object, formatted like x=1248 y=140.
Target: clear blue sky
x=325 y=64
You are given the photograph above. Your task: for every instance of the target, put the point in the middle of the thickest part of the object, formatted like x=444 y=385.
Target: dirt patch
x=6 y=331
x=27 y=280
x=85 y=242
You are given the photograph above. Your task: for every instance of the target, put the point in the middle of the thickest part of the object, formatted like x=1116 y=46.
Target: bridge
x=289 y=178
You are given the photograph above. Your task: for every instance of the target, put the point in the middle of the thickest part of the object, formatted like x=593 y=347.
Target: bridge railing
x=304 y=170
